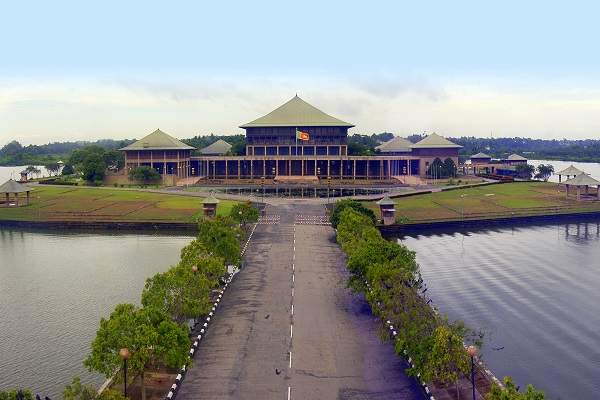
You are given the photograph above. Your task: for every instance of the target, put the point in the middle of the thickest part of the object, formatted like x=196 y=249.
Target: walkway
x=289 y=328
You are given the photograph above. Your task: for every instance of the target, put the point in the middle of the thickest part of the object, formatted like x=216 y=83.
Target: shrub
x=144 y=174
x=353 y=204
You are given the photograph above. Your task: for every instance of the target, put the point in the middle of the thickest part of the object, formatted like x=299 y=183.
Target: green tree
x=33 y=170
x=180 y=293
x=197 y=254
x=221 y=238
x=144 y=174
x=244 y=213
x=148 y=335
x=93 y=168
x=447 y=359
x=53 y=168
x=16 y=394
x=544 y=171
x=511 y=392
x=67 y=170
x=78 y=391
x=353 y=204
x=524 y=171
x=11 y=148
x=114 y=159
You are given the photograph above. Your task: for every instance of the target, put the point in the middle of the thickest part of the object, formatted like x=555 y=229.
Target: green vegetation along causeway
x=487 y=202
x=51 y=203
x=388 y=275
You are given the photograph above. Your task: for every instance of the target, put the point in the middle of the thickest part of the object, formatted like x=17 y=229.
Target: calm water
x=535 y=290
x=15 y=173
x=590 y=168
x=54 y=287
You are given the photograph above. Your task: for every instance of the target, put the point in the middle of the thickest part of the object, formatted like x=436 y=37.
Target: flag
x=302 y=135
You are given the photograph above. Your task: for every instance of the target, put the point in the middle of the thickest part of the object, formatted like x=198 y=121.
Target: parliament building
x=296 y=142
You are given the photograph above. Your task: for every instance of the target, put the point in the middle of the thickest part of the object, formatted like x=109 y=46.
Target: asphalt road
x=289 y=328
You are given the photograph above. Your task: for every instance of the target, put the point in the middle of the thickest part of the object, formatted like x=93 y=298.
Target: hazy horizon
x=73 y=71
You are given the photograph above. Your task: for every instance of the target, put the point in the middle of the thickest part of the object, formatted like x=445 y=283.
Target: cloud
x=44 y=111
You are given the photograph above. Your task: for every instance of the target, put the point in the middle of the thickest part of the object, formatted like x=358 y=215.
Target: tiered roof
x=219 y=147
x=435 y=141
x=158 y=140
x=296 y=112
x=395 y=145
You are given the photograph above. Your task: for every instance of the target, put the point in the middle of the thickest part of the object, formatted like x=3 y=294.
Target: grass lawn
x=104 y=204
x=493 y=201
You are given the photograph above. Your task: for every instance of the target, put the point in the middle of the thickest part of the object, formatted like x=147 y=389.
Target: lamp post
x=124 y=354
x=472 y=351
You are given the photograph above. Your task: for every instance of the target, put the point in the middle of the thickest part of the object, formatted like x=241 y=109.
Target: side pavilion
x=583 y=181
x=15 y=188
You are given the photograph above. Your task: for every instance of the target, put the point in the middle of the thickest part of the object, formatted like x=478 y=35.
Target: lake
x=15 y=173
x=55 y=287
x=589 y=168
x=535 y=290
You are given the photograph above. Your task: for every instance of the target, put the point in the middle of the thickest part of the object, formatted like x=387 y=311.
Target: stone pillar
x=226 y=169
x=354 y=169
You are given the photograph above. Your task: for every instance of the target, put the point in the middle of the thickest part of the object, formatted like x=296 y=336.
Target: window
x=284 y=150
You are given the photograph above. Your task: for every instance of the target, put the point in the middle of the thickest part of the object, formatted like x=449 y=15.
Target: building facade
x=294 y=142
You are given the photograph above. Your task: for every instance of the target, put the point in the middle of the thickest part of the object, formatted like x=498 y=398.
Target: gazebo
x=568 y=172
x=585 y=181
x=12 y=187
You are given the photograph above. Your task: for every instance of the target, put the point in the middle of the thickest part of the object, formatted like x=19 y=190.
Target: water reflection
x=532 y=288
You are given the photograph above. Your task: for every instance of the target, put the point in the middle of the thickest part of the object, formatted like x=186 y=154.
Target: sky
x=120 y=69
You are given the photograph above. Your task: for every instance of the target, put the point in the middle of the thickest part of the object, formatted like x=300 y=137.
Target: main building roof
x=296 y=112
x=158 y=140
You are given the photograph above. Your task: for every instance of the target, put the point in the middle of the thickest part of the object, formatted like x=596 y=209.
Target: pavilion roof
x=435 y=141
x=481 y=155
x=210 y=200
x=12 y=186
x=395 y=145
x=570 y=170
x=386 y=201
x=516 y=157
x=219 y=147
x=158 y=140
x=296 y=112
x=582 y=179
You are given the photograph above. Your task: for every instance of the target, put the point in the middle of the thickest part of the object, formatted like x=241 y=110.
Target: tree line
x=388 y=275
x=586 y=150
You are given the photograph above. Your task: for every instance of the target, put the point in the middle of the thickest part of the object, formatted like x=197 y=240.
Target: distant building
x=295 y=141
x=480 y=158
x=169 y=156
x=483 y=164
x=218 y=148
